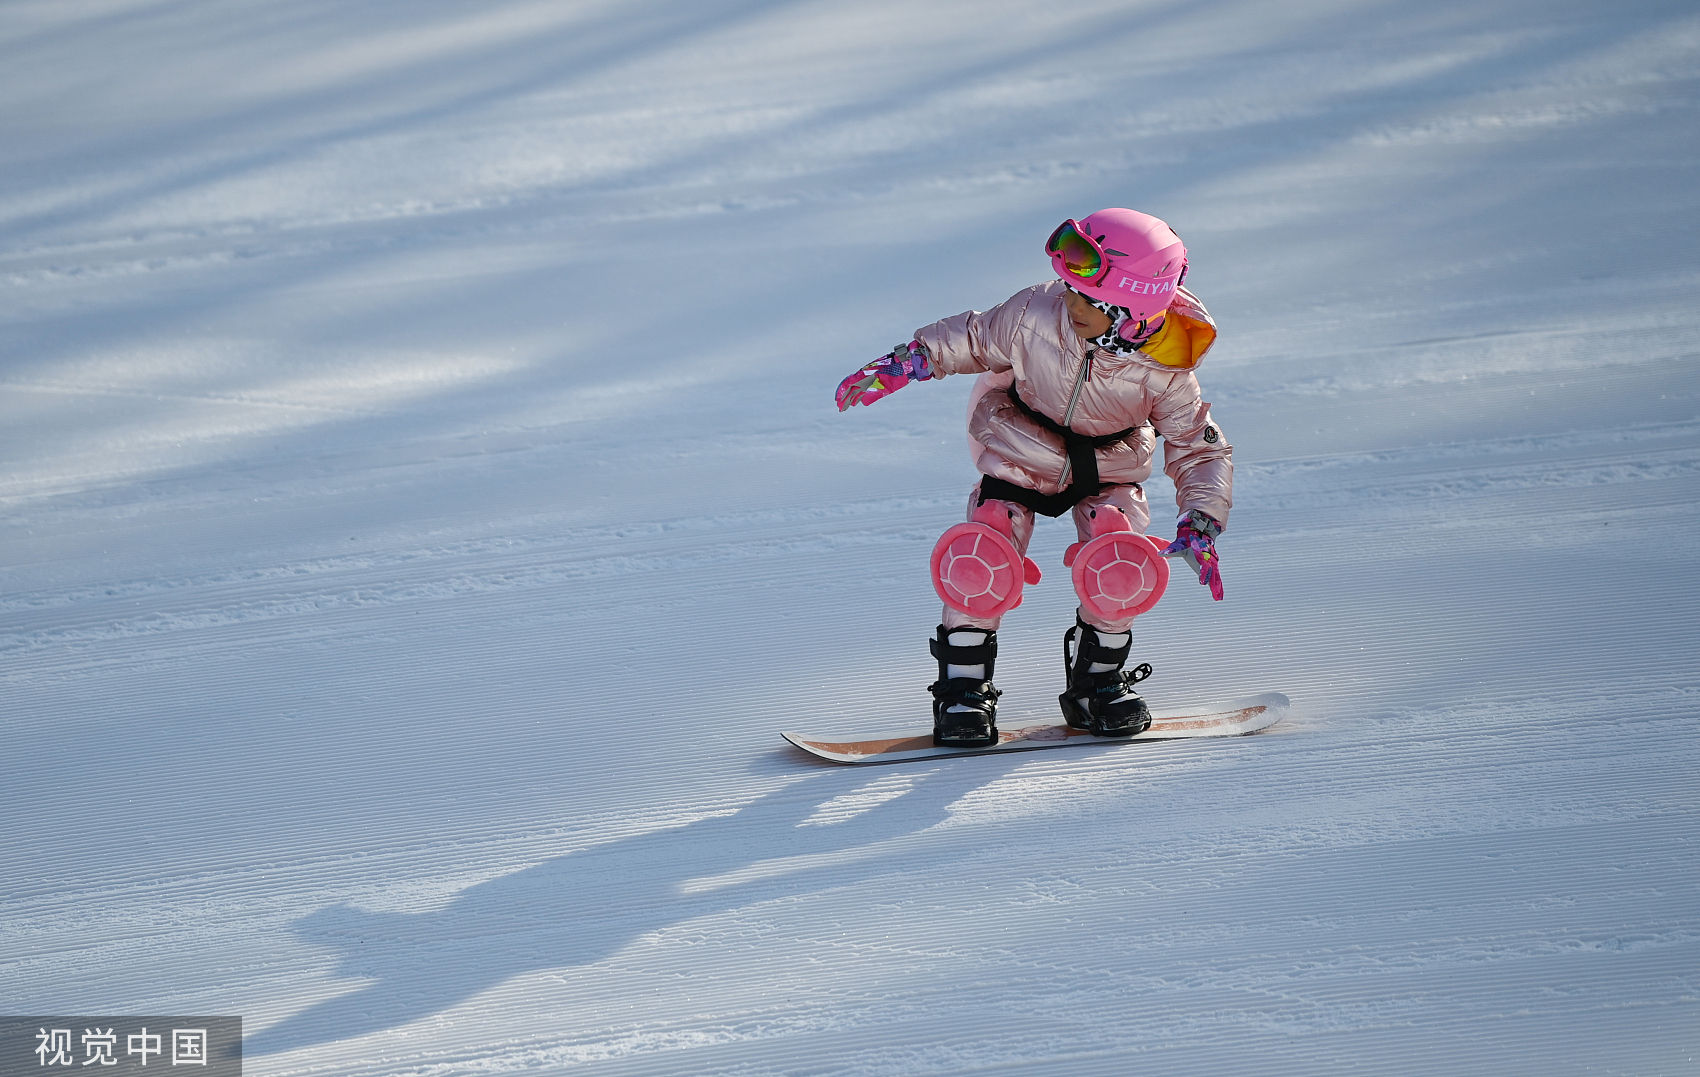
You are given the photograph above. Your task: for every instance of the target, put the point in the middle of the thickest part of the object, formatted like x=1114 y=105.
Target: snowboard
x=1229 y=718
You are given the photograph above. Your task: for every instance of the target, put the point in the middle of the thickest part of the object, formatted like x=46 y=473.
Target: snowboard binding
x=965 y=706
x=1100 y=697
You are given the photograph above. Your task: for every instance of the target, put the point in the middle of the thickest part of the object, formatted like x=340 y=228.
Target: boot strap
x=956 y=654
x=1114 y=681
x=975 y=695
x=1088 y=650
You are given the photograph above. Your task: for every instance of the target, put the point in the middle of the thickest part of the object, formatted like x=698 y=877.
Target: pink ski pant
x=1130 y=499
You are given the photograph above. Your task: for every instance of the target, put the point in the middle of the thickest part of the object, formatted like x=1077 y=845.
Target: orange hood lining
x=1182 y=341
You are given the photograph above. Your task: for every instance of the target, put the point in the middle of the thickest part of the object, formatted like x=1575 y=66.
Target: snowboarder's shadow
x=577 y=909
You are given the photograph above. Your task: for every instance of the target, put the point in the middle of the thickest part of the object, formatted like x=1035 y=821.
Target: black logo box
x=193 y=1046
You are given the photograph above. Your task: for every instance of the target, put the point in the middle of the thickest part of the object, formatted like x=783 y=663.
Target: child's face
x=1088 y=320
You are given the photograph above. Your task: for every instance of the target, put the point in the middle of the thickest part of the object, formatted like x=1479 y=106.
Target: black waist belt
x=1082 y=450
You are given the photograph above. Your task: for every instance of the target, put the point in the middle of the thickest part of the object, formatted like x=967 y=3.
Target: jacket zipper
x=1080 y=380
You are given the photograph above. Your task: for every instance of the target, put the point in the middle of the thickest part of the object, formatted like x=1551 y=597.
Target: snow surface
x=421 y=508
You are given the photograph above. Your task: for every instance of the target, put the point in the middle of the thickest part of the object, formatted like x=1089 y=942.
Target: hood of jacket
x=1187 y=334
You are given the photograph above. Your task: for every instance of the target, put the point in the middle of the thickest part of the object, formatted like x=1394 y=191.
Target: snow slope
x=421 y=507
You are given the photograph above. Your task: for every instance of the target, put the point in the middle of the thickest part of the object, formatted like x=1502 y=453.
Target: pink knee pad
x=976 y=568
x=1118 y=573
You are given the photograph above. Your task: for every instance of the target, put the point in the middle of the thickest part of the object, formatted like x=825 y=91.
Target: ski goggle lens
x=1081 y=257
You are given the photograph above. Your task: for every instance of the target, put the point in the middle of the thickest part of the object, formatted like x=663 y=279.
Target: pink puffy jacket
x=1027 y=341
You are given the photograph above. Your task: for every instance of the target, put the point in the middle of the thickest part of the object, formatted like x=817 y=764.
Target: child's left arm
x=1200 y=461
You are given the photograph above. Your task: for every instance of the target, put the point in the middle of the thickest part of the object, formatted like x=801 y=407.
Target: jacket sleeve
x=1196 y=453
x=977 y=342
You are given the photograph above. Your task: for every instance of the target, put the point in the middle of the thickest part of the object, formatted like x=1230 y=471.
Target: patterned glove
x=885 y=375
x=1195 y=540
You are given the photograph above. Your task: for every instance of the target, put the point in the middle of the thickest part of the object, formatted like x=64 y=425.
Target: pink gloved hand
x=885 y=375
x=1195 y=540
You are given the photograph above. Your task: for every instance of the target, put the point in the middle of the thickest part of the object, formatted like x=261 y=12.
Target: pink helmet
x=1121 y=257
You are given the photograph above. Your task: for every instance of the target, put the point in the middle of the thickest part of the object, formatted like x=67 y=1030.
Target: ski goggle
x=1079 y=254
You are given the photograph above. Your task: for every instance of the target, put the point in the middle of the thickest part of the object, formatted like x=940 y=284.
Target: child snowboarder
x=1078 y=376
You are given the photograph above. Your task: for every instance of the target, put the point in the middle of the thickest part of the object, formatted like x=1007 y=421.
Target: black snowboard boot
x=965 y=705
x=1100 y=696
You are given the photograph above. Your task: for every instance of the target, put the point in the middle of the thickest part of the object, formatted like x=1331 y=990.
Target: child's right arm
x=885 y=375
x=972 y=342
x=978 y=342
